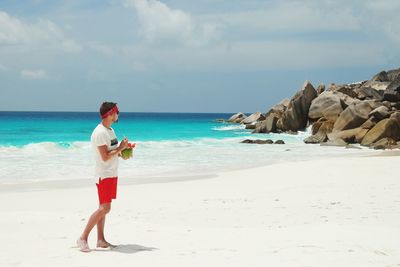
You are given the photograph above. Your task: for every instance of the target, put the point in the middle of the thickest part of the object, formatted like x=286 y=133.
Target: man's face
x=115 y=117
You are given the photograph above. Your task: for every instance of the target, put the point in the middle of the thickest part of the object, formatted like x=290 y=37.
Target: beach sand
x=330 y=212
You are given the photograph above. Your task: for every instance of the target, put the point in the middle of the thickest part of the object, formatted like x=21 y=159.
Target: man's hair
x=106 y=106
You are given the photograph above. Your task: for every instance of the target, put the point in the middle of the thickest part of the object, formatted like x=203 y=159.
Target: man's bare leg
x=100 y=229
x=101 y=240
x=93 y=220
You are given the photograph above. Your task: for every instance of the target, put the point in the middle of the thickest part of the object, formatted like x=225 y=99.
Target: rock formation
x=366 y=112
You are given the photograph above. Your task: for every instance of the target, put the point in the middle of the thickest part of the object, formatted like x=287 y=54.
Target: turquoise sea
x=64 y=128
x=37 y=146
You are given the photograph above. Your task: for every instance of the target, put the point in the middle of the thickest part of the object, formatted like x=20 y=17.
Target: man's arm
x=106 y=155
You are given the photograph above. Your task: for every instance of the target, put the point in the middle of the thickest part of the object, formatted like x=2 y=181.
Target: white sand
x=336 y=212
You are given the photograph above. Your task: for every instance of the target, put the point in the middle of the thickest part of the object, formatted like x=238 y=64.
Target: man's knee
x=105 y=208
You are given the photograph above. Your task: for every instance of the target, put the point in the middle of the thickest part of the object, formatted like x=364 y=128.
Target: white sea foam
x=230 y=127
x=62 y=161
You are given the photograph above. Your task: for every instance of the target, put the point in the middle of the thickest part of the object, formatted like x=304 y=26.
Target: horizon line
x=169 y=112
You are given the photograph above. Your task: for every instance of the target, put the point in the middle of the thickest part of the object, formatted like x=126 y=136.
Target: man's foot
x=83 y=245
x=104 y=244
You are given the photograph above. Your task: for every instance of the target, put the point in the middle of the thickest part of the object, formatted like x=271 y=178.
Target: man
x=107 y=150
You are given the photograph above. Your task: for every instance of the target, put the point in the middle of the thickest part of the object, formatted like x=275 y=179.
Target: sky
x=185 y=55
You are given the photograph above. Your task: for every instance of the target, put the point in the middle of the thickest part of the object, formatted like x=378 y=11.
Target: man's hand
x=123 y=144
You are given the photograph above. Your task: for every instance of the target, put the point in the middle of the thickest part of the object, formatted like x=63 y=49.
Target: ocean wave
x=229 y=128
x=65 y=161
x=307 y=132
x=46 y=147
x=59 y=147
x=79 y=146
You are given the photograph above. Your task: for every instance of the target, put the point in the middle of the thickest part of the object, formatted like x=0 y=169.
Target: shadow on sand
x=128 y=249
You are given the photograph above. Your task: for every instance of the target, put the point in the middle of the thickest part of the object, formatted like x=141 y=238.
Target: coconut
x=128 y=152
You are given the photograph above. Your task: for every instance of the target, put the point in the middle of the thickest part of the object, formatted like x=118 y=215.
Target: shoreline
x=43 y=185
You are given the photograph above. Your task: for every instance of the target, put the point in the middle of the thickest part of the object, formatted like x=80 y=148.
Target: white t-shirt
x=103 y=136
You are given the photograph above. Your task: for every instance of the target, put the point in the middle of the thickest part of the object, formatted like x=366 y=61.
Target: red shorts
x=107 y=189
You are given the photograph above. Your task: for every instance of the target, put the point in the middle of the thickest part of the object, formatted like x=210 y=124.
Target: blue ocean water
x=37 y=146
x=22 y=128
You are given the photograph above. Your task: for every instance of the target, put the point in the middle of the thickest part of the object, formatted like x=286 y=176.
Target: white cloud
x=44 y=33
x=160 y=23
x=370 y=18
x=278 y=34
x=275 y=34
x=11 y=30
x=262 y=55
x=34 y=74
x=382 y=17
x=291 y=16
